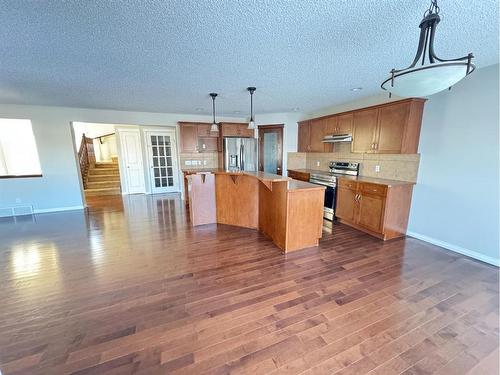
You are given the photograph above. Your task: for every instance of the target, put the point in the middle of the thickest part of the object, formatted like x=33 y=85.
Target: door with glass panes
x=162 y=162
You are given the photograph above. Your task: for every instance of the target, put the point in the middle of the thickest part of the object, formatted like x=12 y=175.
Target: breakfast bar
x=289 y=212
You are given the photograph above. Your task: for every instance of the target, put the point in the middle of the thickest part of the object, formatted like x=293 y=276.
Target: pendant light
x=251 y=124
x=214 y=128
x=429 y=77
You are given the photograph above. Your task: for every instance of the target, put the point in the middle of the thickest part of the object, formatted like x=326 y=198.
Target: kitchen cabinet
x=304 y=137
x=297 y=175
x=389 y=128
x=364 y=130
x=197 y=137
x=317 y=133
x=189 y=137
x=339 y=124
x=203 y=131
x=228 y=129
x=378 y=209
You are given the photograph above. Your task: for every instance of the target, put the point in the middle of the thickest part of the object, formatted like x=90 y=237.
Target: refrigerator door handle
x=242 y=157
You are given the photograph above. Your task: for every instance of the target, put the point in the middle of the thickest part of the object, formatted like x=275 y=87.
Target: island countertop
x=266 y=178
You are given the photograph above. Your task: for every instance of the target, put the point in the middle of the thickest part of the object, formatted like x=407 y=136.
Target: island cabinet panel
x=304 y=137
x=380 y=210
x=273 y=212
x=237 y=199
x=317 y=134
x=364 y=131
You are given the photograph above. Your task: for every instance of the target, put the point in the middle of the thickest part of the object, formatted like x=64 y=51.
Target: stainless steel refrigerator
x=240 y=154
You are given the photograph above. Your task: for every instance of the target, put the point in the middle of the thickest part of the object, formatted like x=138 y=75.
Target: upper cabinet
x=364 y=130
x=317 y=134
x=391 y=128
x=304 y=138
x=189 y=137
x=234 y=129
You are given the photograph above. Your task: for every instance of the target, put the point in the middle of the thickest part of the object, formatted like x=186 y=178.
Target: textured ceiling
x=166 y=56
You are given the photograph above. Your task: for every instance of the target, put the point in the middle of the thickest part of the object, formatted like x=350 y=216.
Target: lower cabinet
x=380 y=210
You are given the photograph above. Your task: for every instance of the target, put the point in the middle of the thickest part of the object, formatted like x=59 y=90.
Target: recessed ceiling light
x=356 y=89
x=199 y=109
x=295 y=109
x=236 y=111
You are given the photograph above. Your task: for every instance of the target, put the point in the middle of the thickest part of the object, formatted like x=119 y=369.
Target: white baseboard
x=57 y=209
x=456 y=249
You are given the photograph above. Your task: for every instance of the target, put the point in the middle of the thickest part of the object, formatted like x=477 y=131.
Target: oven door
x=330 y=198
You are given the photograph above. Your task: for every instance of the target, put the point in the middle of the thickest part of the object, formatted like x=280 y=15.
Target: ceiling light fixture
x=356 y=89
x=251 y=124
x=435 y=76
x=214 y=128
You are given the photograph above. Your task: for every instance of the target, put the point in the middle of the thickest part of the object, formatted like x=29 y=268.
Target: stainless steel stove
x=329 y=179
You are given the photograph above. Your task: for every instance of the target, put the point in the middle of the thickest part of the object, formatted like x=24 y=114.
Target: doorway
x=271 y=148
x=162 y=159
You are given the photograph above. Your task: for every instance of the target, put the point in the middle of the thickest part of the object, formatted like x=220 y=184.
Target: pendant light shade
x=251 y=123
x=214 y=127
x=432 y=75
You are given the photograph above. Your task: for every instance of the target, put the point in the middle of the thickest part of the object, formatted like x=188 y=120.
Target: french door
x=162 y=155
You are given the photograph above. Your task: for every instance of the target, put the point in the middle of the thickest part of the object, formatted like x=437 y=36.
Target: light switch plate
x=187 y=162
x=377 y=168
x=317 y=164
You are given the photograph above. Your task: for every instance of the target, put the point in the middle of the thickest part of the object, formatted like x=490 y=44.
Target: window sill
x=20 y=176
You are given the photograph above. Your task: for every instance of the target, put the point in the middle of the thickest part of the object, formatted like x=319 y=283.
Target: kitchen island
x=289 y=212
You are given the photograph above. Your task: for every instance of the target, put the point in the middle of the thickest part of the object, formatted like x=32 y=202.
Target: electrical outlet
x=317 y=164
x=377 y=168
x=187 y=162
x=204 y=162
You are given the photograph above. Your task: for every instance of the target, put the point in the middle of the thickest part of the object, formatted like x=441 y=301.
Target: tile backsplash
x=199 y=160
x=402 y=167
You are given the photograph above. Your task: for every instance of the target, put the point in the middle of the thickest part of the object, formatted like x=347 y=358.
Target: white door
x=162 y=155
x=131 y=155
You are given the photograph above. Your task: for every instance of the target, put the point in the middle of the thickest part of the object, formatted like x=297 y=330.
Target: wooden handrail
x=86 y=157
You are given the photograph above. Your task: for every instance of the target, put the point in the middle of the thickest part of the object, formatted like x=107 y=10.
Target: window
x=18 y=153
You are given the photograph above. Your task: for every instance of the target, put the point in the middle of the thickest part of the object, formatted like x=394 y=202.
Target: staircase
x=103 y=179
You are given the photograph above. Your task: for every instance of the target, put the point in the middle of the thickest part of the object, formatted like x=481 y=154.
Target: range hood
x=337 y=138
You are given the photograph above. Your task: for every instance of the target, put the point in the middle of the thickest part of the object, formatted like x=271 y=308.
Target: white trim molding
x=456 y=249
x=57 y=209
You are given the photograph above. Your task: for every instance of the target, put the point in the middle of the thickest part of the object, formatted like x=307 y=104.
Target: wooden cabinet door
x=317 y=133
x=371 y=212
x=346 y=204
x=208 y=144
x=392 y=121
x=203 y=130
x=243 y=131
x=229 y=130
x=331 y=125
x=189 y=138
x=304 y=137
x=364 y=130
x=344 y=123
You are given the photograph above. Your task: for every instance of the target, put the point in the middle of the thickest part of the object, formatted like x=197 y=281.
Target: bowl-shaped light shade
x=426 y=80
x=214 y=128
x=251 y=124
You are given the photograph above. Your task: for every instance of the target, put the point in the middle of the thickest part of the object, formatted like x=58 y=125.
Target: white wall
x=456 y=201
x=59 y=188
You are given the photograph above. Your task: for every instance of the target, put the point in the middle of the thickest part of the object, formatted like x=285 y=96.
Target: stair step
x=103 y=177
x=103 y=184
x=106 y=165
x=96 y=171
x=102 y=191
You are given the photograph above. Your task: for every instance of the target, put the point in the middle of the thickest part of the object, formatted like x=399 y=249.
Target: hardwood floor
x=129 y=287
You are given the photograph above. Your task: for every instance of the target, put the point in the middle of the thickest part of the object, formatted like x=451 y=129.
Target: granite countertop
x=373 y=180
